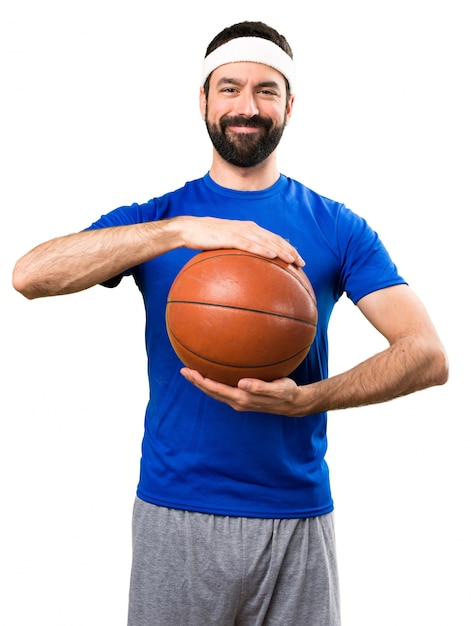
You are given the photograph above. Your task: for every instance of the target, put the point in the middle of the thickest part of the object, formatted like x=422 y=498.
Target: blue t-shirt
x=199 y=454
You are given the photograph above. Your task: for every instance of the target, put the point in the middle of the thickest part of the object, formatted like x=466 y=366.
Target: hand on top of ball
x=210 y=233
x=279 y=397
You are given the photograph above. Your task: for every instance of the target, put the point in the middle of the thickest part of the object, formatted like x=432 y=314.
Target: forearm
x=81 y=260
x=407 y=366
x=78 y=261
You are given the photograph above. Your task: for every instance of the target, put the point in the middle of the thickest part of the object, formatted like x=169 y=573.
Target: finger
x=279 y=247
x=206 y=384
x=290 y=255
x=261 y=387
x=256 y=239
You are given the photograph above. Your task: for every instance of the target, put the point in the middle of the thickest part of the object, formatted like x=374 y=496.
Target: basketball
x=231 y=314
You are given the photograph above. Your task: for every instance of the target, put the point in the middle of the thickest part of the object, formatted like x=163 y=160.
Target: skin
x=415 y=358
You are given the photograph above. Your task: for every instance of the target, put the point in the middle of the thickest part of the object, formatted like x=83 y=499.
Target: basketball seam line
x=241 y=308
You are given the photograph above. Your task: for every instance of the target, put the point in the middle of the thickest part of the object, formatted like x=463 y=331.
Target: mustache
x=256 y=121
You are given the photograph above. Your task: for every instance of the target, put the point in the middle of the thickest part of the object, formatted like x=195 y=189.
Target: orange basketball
x=232 y=314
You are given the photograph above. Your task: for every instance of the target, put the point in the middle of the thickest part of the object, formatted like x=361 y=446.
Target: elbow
x=22 y=283
x=441 y=367
x=445 y=370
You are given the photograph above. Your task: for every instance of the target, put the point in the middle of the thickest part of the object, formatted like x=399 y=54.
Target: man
x=233 y=520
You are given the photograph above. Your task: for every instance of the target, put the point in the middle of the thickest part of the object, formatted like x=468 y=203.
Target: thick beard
x=245 y=150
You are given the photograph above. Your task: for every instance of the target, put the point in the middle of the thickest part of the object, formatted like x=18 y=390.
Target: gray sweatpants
x=193 y=569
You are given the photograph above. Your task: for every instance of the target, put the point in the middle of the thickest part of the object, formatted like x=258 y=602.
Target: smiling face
x=246 y=111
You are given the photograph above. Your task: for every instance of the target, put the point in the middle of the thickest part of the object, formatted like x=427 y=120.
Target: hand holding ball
x=232 y=314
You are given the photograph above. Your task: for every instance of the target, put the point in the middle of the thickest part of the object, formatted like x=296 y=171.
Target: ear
x=202 y=103
x=289 y=107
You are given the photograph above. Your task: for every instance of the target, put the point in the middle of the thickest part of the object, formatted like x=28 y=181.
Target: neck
x=255 y=178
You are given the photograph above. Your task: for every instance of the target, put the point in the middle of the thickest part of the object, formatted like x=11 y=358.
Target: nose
x=246 y=104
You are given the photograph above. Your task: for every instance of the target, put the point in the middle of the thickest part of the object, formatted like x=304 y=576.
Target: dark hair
x=248 y=29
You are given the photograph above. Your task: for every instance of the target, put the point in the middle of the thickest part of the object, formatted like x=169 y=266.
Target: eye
x=268 y=92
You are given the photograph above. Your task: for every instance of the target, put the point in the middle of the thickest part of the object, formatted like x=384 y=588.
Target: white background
x=99 y=108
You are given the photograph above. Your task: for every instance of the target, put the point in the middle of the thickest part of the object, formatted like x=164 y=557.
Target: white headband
x=250 y=49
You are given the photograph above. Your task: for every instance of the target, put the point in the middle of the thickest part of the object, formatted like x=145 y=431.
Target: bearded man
x=233 y=518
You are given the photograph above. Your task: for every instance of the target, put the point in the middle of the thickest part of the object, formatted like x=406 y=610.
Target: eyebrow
x=227 y=80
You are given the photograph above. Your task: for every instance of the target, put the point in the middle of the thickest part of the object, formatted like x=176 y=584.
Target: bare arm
x=78 y=261
x=414 y=360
